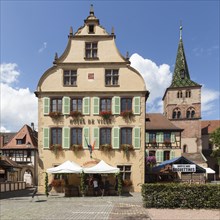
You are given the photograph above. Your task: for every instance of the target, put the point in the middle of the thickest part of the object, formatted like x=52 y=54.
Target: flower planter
x=106 y=147
x=76 y=114
x=55 y=115
x=127 y=115
x=76 y=147
x=106 y=115
x=127 y=147
x=56 y=148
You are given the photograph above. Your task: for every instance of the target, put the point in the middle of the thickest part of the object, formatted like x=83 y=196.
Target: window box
x=55 y=114
x=127 y=115
x=106 y=147
x=153 y=144
x=106 y=114
x=167 y=143
x=76 y=147
x=127 y=147
x=76 y=114
x=56 y=148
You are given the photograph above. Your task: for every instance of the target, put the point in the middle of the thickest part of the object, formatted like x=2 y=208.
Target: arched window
x=179 y=94
x=188 y=93
x=190 y=113
x=176 y=113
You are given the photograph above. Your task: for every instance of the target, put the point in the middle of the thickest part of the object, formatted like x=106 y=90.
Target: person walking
x=95 y=186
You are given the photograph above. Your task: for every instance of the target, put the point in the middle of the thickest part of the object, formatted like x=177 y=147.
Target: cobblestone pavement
x=57 y=206
x=19 y=205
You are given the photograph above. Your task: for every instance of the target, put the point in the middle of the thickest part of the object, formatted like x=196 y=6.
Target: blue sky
x=32 y=31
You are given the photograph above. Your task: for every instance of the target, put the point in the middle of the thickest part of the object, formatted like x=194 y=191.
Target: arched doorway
x=28 y=177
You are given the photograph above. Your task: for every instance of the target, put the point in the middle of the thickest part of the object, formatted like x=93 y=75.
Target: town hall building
x=92 y=98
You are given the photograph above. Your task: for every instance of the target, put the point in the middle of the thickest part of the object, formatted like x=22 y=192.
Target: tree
x=215 y=139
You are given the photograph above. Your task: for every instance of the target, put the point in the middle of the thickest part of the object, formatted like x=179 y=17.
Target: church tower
x=182 y=104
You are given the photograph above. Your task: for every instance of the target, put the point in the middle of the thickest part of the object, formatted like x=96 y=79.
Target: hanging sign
x=184 y=168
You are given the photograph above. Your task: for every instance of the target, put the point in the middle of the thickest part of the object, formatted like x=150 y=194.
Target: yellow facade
x=91 y=54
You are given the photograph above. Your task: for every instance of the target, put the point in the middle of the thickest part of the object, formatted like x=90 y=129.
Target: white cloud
x=3 y=129
x=18 y=106
x=209 y=101
x=43 y=47
x=9 y=73
x=157 y=79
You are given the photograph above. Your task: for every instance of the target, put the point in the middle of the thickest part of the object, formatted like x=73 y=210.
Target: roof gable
x=27 y=137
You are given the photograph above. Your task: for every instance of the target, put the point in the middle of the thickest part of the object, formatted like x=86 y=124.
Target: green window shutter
x=95 y=105
x=46 y=105
x=146 y=153
x=86 y=106
x=46 y=138
x=85 y=137
x=159 y=137
x=172 y=137
x=137 y=105
x=147 y=137
x=66 y=138
x=159 y=156
x=136 y=138
x=115 y=137
x=172 y=154
x=66 y=105
x=116 y=105
x=96 y=137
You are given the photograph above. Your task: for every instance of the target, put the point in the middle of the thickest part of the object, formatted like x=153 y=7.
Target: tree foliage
x=215 y=139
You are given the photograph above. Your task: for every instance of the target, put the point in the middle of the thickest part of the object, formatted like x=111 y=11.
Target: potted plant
x=55 y=114
x=76 y=114
x=56 y=148
x=106 y=147
x=151 y=161
x=167 y=143
x=126 y=147
x=126 y=185
x=76 y=147
x=127 y=115
x=106 y=115
x=58 y=185
x=153 y=143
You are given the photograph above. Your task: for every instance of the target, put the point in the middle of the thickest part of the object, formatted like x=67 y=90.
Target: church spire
x=181 y=76
x=181 y=28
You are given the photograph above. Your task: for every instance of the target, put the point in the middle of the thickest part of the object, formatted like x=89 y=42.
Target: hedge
x=173 y=195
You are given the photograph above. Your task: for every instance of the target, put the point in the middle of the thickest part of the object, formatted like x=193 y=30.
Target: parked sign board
x=184 y=168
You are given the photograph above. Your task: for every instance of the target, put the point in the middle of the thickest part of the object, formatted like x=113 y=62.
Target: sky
x=33 y=31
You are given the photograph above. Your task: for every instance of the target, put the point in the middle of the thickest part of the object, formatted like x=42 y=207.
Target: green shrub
x=174 y=195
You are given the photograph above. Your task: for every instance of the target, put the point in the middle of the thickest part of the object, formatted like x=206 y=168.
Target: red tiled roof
x=209 y=126
x=30 y=136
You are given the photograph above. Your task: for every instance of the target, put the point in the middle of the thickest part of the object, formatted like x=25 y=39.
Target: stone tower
x=182 y=105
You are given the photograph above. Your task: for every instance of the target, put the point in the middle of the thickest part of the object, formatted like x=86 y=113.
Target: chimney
x=32 y=125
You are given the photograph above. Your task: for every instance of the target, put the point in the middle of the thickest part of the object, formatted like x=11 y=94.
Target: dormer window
x=182 y=74
x=91 y=29
x=91 y=50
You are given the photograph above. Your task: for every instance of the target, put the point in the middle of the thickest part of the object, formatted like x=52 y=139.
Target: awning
x=209 y=170
x=101 y=167
x=177 y=160
x=66 y=167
